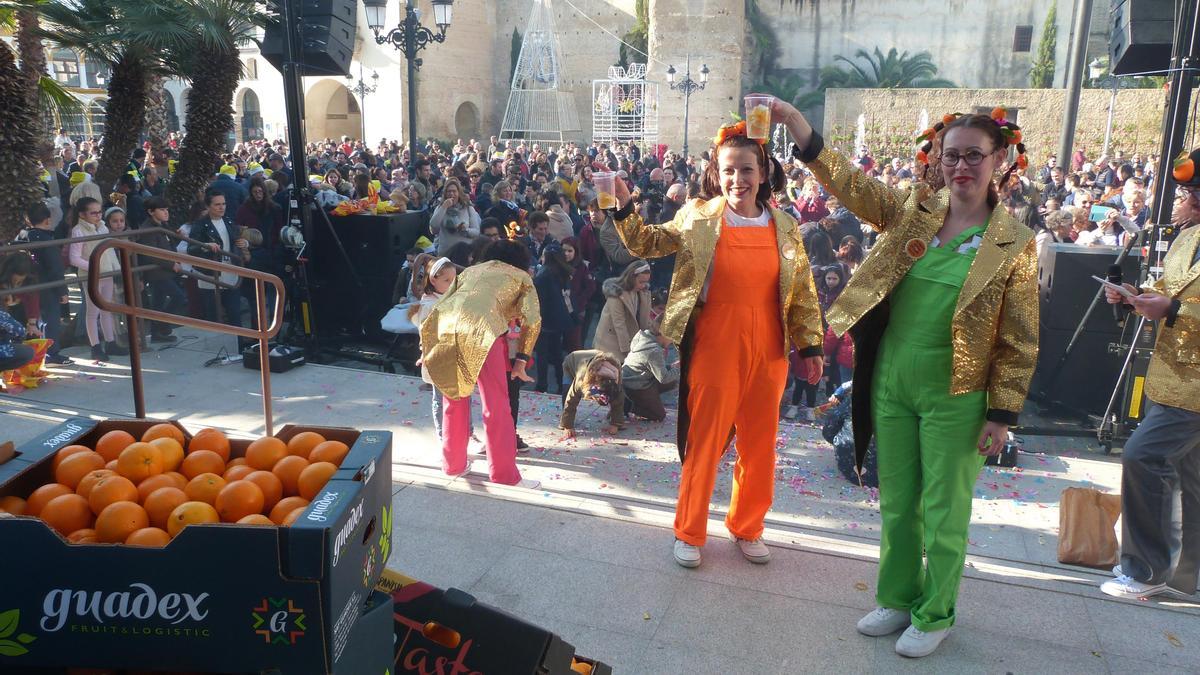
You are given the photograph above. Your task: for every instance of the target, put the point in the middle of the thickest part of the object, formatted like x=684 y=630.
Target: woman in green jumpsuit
x=943 y=313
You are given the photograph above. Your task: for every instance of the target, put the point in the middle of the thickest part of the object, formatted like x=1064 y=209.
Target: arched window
x=251 y=116
x=97 y=115
x=172 y=111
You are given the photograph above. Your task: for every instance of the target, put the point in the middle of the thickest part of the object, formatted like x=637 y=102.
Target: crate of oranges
x=143 y=545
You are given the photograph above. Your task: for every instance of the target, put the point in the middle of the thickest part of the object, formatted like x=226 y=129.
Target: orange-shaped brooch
x=915 y=248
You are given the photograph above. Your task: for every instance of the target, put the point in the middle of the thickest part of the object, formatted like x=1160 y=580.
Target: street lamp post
x=688 y=86
x=410 y=37
x=363 y=90
x=1097 y=70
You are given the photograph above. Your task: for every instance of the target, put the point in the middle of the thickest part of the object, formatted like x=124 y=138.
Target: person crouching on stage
x=741 y=291
x=596 y=376
x=1160 y=480
x=944 y=316
x=463 y=343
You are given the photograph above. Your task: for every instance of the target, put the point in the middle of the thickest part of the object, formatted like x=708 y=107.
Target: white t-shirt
x=226 y=243
x=734 y=220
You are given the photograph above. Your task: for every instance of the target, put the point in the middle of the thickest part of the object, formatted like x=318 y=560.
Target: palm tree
x=18 y=166
x=106 y=31
x=895 y=70
x=156 y=123
x=199 y=40
x=32 y=54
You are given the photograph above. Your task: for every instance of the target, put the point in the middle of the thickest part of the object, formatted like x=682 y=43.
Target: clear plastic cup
x=758 y=116
x=606 y=189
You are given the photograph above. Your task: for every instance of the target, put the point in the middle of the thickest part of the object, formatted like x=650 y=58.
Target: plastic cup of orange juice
x=606 y=191
x=758 y=116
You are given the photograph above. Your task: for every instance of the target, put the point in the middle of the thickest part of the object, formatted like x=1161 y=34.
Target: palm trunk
x=18 y=168
x=127 y=105
x=33 y=66
x=209 y=121
x=156 y=123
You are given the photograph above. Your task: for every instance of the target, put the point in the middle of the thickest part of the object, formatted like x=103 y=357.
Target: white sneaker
x=753 y=550
x=915 y=643
x=686 y=554
x=883 y=621
x=1128 y=587
x=1116 y=570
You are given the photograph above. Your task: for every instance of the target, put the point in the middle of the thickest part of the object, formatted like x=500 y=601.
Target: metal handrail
x=132 y=310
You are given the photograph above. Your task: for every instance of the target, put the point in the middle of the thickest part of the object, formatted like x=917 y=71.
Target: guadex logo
x=320 y=508
x=343 y=535
x=279 y=621
x=64 y=606
x=66 y=433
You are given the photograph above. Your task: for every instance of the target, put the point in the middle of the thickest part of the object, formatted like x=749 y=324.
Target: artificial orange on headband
x=728 y=131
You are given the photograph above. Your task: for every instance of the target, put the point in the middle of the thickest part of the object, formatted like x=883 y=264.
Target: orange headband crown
x=729 y=131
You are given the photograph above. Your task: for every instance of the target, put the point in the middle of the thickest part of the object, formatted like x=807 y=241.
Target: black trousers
x=549 y=351
x=1160 y=499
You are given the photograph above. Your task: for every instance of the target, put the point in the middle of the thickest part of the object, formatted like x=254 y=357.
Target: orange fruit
x=151 y=537
x=40 y=497
x=111 y=466
x=119 y=520
x=84 y=489
x=153 y=483
x=202 y=461
x=285 y=507
x=293 y=516
x=172 y=452
x=236 y=461
x=239 y=499
x=330 y=451
x=75 y=467
x=163 y=430
x=67 y=513
x=204 y=488
x=67 y=452
x=140 y=461
x=263 y=453
x=110 y=490
x=288 y=470
x=302 y=443
x=111 y=444
x=85 y=536
x=238 y=472
x=314 y=477
x=191 y=513
x=210 y=439
x=271 y=487
x=181 y=480
x=255 y=519
x=12 y=504
x=160 y=503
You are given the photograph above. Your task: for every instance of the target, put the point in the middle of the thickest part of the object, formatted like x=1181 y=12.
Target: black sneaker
x=521 y=444
x=114 y=349
x=163 y=338
x=98 y=353
x=58 y=360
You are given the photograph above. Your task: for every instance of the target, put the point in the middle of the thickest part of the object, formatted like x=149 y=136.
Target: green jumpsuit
x=927 y=441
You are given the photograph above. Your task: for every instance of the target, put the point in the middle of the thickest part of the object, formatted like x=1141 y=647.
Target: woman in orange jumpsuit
x=741 y=291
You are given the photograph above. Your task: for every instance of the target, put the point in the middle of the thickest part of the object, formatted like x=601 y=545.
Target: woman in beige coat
x=626 y=310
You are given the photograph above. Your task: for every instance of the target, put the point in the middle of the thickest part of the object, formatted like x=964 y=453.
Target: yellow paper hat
x=228 y=170
x=77 y=177
x=171 y=166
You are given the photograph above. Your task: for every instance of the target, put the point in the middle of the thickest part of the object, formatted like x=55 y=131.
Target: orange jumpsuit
x=738 y=374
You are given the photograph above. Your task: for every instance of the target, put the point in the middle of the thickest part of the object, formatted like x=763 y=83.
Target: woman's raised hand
x=786 y=114
x=622 y=192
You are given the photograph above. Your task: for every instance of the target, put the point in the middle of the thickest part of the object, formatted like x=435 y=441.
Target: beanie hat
x=254 y=168
x=78 y=177
x=228 y=170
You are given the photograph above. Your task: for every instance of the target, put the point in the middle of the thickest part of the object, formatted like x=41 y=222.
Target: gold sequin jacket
x=692 y=236
x=1174 y=375
x=460 y=331
x=995 y=326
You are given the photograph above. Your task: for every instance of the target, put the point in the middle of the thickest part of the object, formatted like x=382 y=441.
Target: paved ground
x=587 y=554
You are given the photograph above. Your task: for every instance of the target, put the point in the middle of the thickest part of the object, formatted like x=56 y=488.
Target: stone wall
x=712 y=30
x=892 y=116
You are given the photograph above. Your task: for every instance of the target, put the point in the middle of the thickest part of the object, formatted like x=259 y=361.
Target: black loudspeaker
x=1088 y=377
x=1066 y=286
x=1142 y=34
x=376 y=248
x=327 y=32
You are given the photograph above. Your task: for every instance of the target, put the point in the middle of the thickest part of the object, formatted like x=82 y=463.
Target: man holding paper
x=1160 y=485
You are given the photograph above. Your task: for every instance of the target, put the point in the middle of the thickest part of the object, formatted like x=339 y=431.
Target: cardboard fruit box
x=450 y=632
x=218 y=598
